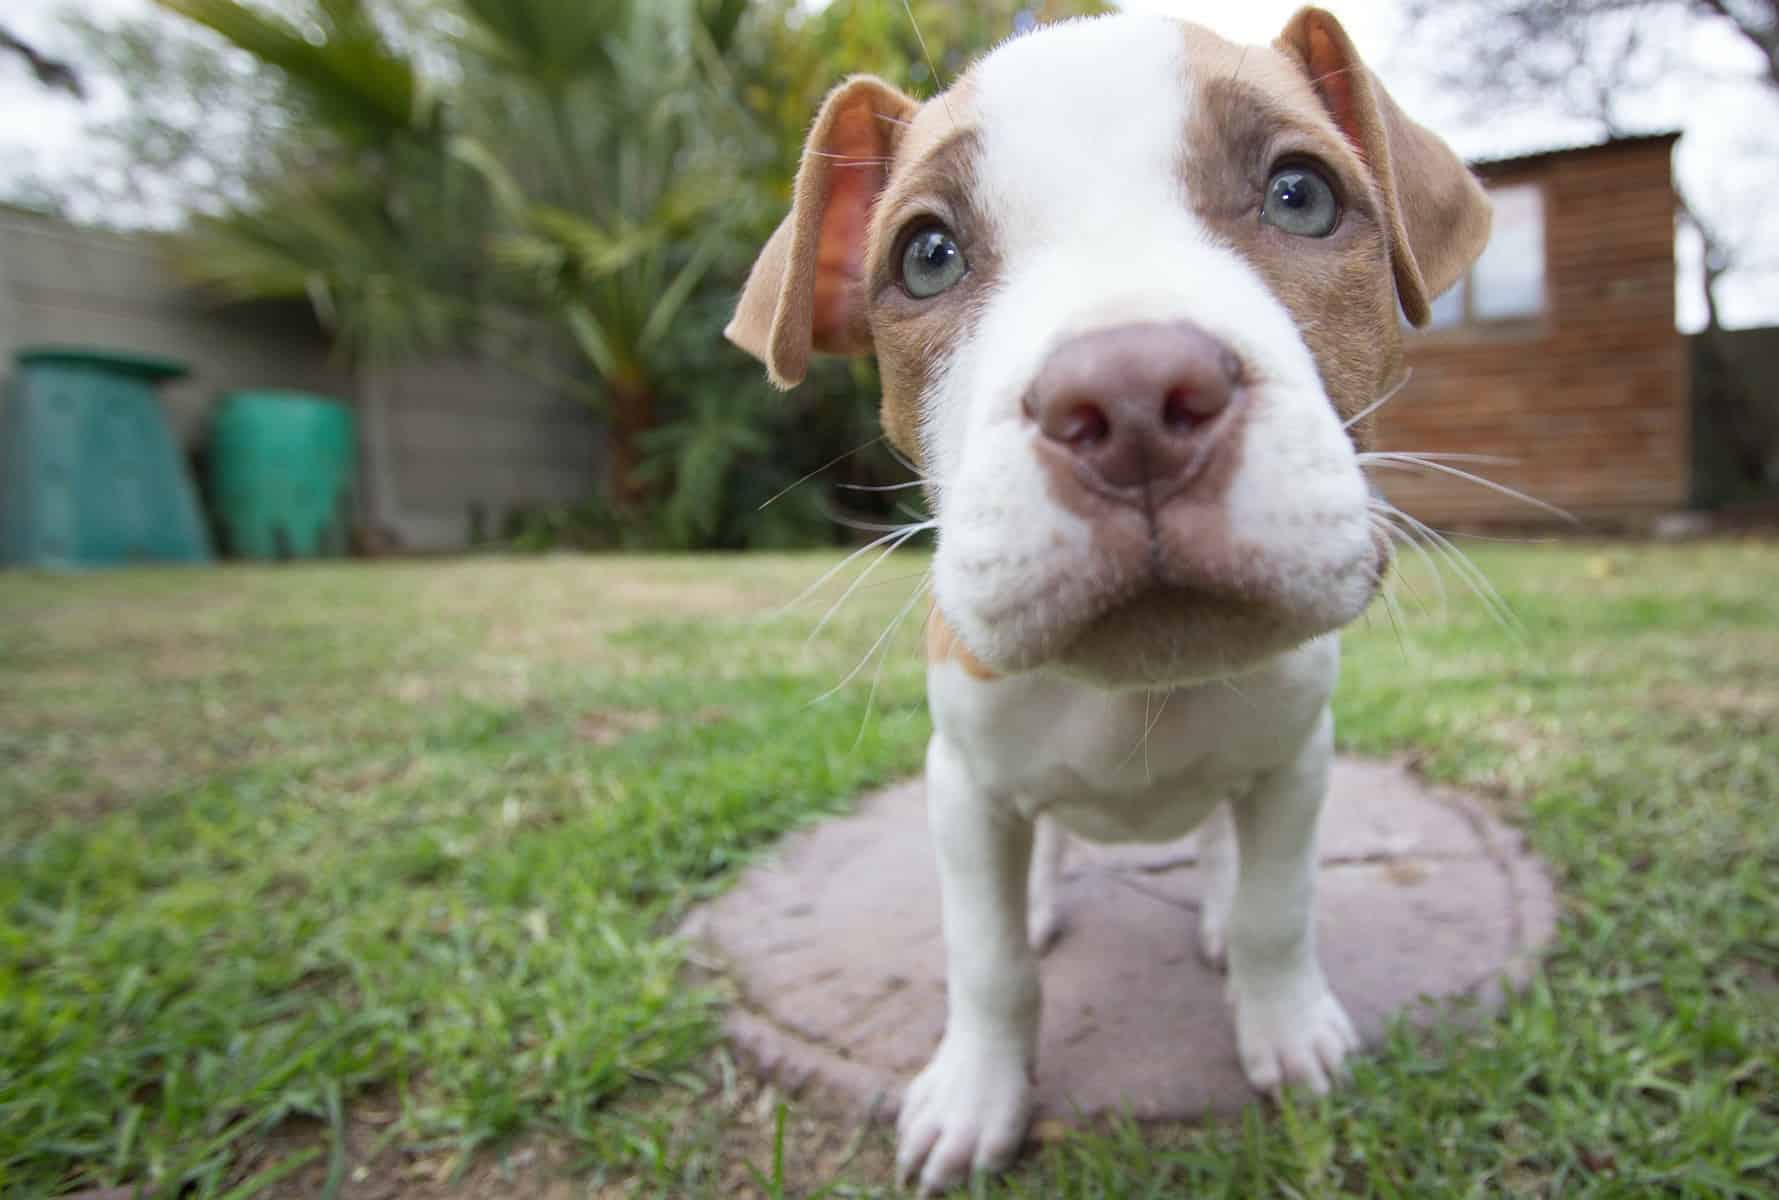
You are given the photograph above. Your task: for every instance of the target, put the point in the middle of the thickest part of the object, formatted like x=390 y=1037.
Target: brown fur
x=1435 y=212
x=943 y=644
x=912 y=337
x=807 y=290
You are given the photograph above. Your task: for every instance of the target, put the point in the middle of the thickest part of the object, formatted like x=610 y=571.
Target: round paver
x=834 y=948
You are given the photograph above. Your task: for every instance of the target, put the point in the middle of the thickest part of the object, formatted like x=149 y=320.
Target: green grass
x=311 y=868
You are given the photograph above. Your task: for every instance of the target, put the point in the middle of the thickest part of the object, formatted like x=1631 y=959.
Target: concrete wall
x=440 y=442
x=464 y=444
x=64 y=284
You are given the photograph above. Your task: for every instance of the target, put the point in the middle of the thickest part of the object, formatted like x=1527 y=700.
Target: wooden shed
x=1558 y=352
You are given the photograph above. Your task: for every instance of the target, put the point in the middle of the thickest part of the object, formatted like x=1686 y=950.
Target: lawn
x=359 y=880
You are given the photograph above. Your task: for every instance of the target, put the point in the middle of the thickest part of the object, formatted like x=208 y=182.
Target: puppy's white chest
x=1129 y=766
x=1160 y=811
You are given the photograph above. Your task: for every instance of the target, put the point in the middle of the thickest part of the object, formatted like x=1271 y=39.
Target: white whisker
x=1495 y=460
x=932 y=67
x=1467 y=571
x=1380 y=401
x=897 y=454
x=1405 y=536
x=838 y=458
x=882 y=487
x=888 y=639
x=1149 y=724
x=881 y=638
x=894 y=545
x=835 y=570
x=1413 y=463
x=869 y=526
x=1392 y=609
x=893 y=580
x=1502 y=541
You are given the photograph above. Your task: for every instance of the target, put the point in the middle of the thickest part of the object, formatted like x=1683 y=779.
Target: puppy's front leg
x=1289 y=1026
x=1044 y=905
x=969 y=1108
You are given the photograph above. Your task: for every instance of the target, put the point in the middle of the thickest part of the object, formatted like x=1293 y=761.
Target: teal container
x=90 y=474
x=282 y=466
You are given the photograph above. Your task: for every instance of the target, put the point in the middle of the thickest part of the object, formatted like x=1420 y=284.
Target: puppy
x=1133 y=291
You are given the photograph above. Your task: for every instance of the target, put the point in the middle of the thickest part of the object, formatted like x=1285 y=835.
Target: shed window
x=1507 y=282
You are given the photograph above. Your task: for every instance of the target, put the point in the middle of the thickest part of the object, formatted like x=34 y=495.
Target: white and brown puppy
x=1132 y=289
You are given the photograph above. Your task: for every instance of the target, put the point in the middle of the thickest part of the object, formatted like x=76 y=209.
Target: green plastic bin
x=282 y=466
x=90 y=474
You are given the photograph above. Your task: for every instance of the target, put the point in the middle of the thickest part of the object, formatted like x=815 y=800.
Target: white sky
x=41 y=132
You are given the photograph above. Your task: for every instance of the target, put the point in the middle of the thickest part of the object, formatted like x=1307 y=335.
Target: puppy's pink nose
x=1136 y=408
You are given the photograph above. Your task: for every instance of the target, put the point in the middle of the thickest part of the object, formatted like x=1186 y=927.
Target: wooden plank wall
x=1591 y=400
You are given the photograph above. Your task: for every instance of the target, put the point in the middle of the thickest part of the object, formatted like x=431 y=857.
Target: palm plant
x=473 y=170
x=618 y=239
x=378 y=229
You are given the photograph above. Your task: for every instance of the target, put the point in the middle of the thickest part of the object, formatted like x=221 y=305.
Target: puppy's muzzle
x=1134 y=413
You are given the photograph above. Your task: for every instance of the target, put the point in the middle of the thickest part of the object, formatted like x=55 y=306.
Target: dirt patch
x=1757 y=711
x=609 y=726
x=715 y=1133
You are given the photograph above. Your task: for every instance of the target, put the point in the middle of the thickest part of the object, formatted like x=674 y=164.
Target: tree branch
x=50 y=72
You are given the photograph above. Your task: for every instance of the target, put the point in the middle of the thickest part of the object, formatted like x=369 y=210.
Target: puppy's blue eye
x=1300 y=200
x=932 y=262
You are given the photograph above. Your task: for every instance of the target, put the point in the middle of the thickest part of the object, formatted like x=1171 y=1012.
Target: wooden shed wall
x=1590 y=401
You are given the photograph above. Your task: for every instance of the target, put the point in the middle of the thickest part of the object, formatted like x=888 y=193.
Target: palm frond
x=327 y=246
x=549 y=44
x=356 y=82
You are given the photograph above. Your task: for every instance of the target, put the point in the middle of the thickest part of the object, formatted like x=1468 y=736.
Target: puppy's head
x=1129 y=286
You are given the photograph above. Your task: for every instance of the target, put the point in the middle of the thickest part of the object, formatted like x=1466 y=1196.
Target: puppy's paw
x=1298 y=1034
x=968 y=1110
x=1043 y=923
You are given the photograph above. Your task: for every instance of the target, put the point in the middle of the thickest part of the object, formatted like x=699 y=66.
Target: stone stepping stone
x=834 y=952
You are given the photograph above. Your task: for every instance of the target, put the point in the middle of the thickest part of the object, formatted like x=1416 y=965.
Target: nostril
x=1176 y=410
x=1082 y=425
x=1184 y=408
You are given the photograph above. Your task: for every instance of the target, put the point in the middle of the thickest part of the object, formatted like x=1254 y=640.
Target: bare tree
x=50 y=72
x=1589 y=49
x=1598 y=60
x=1605 y=61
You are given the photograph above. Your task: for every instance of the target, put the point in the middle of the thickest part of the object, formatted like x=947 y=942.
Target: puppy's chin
x=1157 y=629
x=1170 y=636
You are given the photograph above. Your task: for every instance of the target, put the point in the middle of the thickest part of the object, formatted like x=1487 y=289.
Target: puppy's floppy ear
x=1437 y=213
x=807 y=289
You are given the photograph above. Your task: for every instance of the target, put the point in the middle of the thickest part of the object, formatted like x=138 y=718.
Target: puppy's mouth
x=1171 y=598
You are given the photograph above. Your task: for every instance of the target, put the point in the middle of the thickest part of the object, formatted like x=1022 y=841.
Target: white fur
x=1083 y=186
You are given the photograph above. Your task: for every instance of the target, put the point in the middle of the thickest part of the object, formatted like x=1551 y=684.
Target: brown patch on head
x=1434 y=211
x=933 y=180
x=1254 y=111
x=877 y=164
x=1413 y=218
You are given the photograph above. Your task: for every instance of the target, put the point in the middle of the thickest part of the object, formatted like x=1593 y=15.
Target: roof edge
x=1505 y=162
